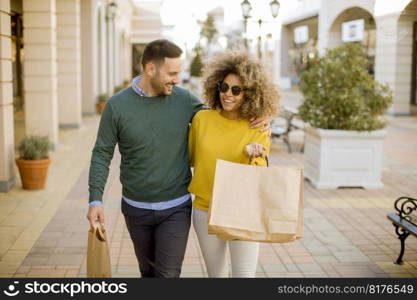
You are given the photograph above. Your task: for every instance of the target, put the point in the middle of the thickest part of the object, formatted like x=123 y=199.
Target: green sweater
x=152 y=135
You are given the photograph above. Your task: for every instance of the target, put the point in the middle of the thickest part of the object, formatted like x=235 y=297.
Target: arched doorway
x=355 y=24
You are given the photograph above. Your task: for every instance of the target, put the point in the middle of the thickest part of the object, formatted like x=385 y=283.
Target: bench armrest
x=406 y=208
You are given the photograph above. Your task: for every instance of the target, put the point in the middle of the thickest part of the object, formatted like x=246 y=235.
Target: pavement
x=44 y=233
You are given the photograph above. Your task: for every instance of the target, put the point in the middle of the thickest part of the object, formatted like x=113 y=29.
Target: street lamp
x=111 y=10
x=274 y=8
x=246 y=8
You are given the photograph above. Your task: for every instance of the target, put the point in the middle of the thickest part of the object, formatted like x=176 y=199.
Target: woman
x=236 y=89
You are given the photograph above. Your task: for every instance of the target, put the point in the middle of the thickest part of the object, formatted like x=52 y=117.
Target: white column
x=393 y=59
x=69 y=63
x=89 y=56
x=40 y=68
x=110 y=54
x=7 y=175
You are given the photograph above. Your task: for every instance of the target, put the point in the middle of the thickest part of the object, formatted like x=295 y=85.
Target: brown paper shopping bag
x=98 y=258
x=252 y=203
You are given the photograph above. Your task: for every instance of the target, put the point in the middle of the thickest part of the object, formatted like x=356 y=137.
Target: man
x=149 y=121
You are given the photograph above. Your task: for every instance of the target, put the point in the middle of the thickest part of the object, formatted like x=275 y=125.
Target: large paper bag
x=98 y=258
x=251 y=203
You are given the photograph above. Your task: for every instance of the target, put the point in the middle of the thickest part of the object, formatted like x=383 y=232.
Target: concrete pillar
x=40 y=68
x=89 y=56
x=7 y=176
x=404 y=60
x=110 y=54
x=393 y=63
x=69 y=63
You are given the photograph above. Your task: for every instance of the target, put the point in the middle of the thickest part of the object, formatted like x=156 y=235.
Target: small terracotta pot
x=33 y=173
x=100 y=107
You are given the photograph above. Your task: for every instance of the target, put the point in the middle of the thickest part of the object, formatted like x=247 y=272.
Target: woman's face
x=230 y=101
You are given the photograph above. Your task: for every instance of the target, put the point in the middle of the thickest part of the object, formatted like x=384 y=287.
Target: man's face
x=166 y=76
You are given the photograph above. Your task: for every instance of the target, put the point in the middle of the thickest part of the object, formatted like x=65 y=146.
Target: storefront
x=299 y=43
x=355 y=25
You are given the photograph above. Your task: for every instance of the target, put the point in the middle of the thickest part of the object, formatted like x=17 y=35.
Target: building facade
x=146 y=26
x=387 y=29
x=56 y=58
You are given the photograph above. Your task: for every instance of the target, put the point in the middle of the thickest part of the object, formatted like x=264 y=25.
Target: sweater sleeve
x=102 y=153
x=192 y=138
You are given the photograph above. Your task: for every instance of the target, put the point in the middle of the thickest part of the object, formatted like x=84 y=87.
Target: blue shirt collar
x=136 y=87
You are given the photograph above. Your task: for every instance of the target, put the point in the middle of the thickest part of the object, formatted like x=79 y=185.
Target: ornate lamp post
x=246 y=8
x=274 y=5
x=111 y=11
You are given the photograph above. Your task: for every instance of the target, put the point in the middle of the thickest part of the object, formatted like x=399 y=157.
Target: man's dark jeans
x=159 y=238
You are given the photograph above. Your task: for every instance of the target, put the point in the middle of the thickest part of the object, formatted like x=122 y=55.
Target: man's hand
x=262 y=122
x=95 y=214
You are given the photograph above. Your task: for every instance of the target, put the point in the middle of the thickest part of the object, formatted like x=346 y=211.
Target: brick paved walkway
x=347 y=233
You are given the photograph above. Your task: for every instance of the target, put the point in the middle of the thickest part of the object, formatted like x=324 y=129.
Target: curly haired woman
x=236 y=89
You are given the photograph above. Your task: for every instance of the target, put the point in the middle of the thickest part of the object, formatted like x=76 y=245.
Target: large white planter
x=340 y=158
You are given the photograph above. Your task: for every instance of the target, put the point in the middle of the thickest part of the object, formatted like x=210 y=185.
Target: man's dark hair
x=157 y=50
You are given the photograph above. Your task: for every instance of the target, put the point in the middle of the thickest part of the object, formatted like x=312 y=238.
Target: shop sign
x=352 y=31
x=301 y=34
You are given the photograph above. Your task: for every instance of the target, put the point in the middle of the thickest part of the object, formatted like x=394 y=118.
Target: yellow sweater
x=213 y=137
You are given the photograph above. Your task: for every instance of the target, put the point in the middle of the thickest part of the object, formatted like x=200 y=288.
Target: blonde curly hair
x=261 y=96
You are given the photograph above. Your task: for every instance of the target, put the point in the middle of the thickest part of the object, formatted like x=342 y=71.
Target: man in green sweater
x=149 y=121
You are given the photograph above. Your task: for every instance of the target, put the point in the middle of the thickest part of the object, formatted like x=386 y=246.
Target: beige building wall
x=393 y=52
x=69 y=63
x=329 y=12
x=404 y=58
x=65 y=66
x=90 y=58
x=106 y=49
x=40 y=68
x=124 y=29
x=7 y=175
x=146 y=22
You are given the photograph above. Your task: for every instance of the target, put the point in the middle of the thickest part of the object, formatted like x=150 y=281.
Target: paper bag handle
x=266 y=158
x=99 y=232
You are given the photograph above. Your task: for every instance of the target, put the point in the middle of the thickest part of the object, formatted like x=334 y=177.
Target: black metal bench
x=404 y=221
x=287 y=114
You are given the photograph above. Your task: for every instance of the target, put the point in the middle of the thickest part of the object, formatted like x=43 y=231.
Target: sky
x=182 y=15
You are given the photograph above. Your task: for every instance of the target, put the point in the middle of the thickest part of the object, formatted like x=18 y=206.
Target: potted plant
x=101 y=102
x=345 y=107
x=118 y=88
x=33 y=161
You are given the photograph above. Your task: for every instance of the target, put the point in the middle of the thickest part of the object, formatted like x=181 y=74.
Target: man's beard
x=158 y=86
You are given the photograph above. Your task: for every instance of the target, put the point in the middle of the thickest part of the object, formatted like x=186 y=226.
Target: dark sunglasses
x=236 y=90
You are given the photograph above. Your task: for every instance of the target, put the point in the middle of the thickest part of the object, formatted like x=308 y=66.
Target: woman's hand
x=255 y=150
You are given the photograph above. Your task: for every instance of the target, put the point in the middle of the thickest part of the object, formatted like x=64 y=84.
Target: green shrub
x=103 y=97
x=34 y=147
x=118 y=88
x=339 y=93
x=196 y=66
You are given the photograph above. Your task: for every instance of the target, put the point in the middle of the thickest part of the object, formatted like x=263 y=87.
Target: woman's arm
x=259 y=149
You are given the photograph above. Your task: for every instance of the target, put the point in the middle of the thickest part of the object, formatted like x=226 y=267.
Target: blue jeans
x=159 y=238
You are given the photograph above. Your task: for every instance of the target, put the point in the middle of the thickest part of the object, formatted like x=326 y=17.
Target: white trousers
x=243 y=255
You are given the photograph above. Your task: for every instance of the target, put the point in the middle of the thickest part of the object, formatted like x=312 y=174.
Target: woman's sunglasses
x=236 y=90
